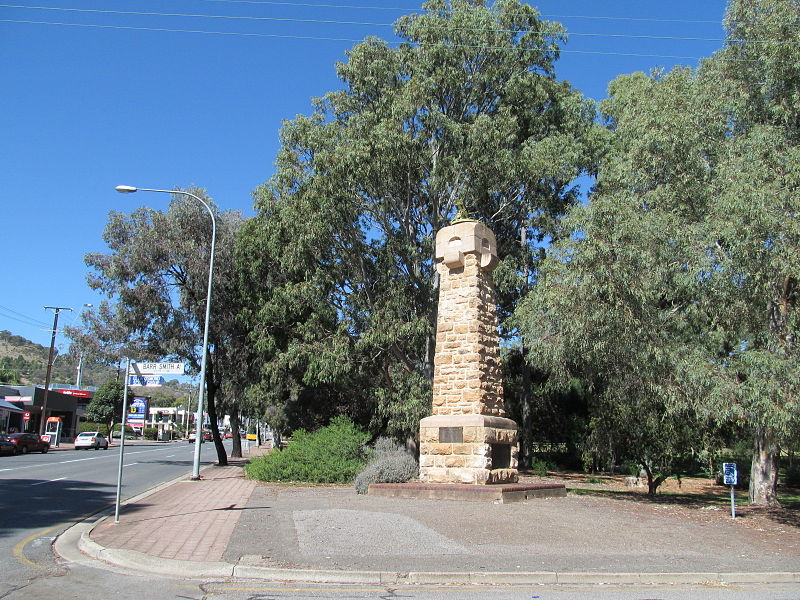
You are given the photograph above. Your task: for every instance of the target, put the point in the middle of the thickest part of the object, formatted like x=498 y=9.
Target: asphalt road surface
x=42 y=494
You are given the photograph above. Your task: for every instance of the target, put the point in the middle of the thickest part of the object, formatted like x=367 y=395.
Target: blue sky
x=108 y=98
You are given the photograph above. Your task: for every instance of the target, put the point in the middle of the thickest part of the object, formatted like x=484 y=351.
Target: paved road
x=41 y=494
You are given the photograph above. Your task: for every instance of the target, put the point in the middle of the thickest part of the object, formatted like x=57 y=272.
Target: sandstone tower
x=467 y=439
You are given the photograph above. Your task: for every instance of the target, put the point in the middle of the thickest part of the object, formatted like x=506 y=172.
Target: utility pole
x=50 y=360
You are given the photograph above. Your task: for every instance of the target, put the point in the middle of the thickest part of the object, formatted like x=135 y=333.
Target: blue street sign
x=729 y=474
x=145 y=380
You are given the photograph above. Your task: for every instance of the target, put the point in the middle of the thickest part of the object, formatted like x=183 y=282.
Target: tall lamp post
x=127 y=189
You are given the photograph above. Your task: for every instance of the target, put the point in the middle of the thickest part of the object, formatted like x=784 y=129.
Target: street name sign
x=159 y=368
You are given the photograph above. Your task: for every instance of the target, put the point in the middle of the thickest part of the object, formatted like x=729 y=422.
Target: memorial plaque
x=451 y=435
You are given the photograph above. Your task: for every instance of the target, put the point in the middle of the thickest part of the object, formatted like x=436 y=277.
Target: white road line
x=130 y=464
x=48 y=481
x=63 y=462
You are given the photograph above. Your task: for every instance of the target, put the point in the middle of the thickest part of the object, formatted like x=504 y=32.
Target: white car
x=91 y=439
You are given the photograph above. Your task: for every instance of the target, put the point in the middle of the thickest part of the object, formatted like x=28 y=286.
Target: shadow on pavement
x=130 y=509
x=33 y=503
x=781 y=515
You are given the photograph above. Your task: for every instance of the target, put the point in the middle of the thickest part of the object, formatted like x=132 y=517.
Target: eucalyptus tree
x=156 y=275
x=680 y=277
x=754 y=259
x=613 y=296
x=465 y=111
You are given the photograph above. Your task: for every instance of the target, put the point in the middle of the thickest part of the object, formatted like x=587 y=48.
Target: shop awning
x=11 y=407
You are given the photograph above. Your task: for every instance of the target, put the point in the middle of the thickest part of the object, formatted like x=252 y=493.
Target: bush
x=130 y=432
x=89 y=426
x=792 y=476
x=150 y=433
x=389 y=463
x=540 y=467
x=333 y=454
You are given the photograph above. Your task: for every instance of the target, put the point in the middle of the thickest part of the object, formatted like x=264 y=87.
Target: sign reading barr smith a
x=159 y=368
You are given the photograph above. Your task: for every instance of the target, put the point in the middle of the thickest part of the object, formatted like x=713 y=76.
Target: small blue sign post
x=730 y=477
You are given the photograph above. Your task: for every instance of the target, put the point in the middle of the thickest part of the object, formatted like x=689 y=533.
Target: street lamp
x=127 y=189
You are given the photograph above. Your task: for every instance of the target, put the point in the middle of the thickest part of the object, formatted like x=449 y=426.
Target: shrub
x=539 y=467
x=130 y=432
x=389 y=463
x=333 y=454
x=150 y=433
x=89 y=426
x=792 y=477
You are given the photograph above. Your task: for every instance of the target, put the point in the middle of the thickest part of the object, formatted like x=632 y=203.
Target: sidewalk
x=226 y=525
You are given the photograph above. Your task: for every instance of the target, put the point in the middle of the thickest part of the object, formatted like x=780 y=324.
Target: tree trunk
x=764 y=468
x=652 y=482
x=211 y=406
x=236 y=452
x=525 y=399
x=526 y=425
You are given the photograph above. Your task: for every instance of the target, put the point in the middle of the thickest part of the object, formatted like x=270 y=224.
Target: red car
x=28 y=442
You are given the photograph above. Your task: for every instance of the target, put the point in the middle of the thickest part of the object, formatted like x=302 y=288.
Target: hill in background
x=27 y=360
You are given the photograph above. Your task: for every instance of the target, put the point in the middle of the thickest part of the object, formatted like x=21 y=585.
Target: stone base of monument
x=468 y=448
x=501 y=493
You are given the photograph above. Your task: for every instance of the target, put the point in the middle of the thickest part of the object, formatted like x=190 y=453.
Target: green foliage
x=156 y=272
x=25 y=362
x=540 y=467
x=388 y=463
x=338 y=262
x=332 y=454
x=9 y=376
x=150 y=433
x=791 y=475
x=106 y=404
x=673 y=295
x=90 y=426
x=129 y=431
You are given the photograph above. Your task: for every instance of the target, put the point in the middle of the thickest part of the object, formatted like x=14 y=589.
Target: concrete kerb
x=140 y=562
x=131 y=559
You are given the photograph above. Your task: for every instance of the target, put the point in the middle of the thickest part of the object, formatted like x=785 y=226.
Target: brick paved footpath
x=188 y=520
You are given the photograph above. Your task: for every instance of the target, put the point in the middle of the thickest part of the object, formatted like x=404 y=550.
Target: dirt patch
x=694 y=498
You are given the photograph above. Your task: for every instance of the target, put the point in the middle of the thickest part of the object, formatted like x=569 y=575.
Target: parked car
x=193 y=437
x=28 y=442
x=91 y=439
x=207 y=437
x=7 y=446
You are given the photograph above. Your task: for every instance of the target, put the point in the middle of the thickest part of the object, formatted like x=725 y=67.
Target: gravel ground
x=327 y=527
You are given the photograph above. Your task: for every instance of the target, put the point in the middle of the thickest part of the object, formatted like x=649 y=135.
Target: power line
x=415 y=8
x=376 y=24
x=336 y=39
x=32 y=320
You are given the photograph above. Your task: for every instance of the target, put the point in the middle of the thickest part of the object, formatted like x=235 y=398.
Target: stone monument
x=467 y=439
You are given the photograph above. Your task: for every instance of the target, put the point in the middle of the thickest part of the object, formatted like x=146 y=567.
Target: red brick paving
x=189 y=520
